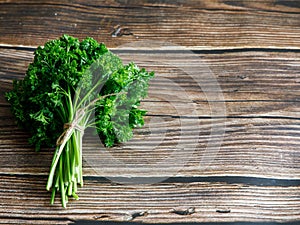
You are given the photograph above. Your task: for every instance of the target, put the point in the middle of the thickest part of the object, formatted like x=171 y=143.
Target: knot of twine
x=70 y=126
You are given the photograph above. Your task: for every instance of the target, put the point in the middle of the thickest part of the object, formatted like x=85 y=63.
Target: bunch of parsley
x=67 y=81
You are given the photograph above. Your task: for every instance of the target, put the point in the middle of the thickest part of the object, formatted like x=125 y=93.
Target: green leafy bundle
x=64 y=84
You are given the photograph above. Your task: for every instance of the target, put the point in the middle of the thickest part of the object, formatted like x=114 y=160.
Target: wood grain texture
x=105 y=201
x=245 y=59
x=251 y=83
x=251 y=147
x=217 y=24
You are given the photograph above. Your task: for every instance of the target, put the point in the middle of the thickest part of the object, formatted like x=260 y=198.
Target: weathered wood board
x=223 y=112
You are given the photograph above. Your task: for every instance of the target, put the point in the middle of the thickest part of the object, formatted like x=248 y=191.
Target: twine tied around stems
x=69 y=127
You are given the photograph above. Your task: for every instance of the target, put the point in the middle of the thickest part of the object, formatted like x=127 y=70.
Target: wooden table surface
x=250 y=54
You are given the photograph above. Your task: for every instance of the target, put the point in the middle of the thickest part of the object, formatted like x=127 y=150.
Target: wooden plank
x=255 y=147
x=217 y=24
x=251 y=83
x=106 y=201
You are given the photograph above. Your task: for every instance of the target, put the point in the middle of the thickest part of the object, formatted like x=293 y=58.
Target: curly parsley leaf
x=59 y=85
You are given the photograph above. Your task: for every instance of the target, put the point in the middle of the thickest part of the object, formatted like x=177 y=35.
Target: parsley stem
x=62 y=185
x=53 y=196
